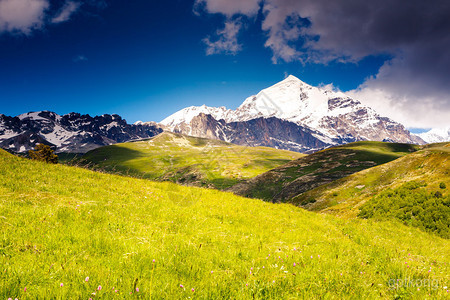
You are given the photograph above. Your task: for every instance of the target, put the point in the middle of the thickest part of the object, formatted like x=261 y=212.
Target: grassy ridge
x=60 y=225
x=189 y=160
x=345 y=196
x=296 y=177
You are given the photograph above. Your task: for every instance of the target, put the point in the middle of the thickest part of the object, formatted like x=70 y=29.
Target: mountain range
x=290 y=115
x=72 y=132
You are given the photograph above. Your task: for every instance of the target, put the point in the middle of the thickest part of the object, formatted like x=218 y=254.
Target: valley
x=224 y=149
x=187 y=160
x=348 y=180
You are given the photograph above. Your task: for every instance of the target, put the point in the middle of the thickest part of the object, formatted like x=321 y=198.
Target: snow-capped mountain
x=68 y=133
x=289 y=115
x=330 y=117
x=187 y=114
x=436 y=135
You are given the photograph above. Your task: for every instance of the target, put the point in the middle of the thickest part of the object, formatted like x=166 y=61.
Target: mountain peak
x=292 y=78
x=38 y=115
x=330 y=115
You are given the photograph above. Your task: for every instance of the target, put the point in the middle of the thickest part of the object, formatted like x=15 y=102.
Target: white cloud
x=410 y=97
x=66 y=12
x=227 y=41
x=417 y=112
x=228 y=7
x=26 y=16
x=280 y=34
x=22 y=15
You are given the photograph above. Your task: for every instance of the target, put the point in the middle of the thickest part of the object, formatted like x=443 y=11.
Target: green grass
x=286 y=182
x=345 y=196
x=61 y=224
x=67 y=158
x=412 y=204
x=188 y=160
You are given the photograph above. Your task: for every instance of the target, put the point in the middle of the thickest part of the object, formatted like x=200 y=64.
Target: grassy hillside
x=412 y=204
x=64 y=158
x=70 y=233
x=429 y=166
x=296 y=177
x=189 y=160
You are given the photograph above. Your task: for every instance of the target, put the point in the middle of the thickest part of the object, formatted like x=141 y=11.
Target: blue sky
x=145 y=60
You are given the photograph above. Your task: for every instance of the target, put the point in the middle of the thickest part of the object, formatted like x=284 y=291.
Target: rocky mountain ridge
x=72 y=132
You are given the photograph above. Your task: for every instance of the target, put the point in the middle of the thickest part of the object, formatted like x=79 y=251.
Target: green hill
x=296 y=177
x=188 y=160
x=404 y=188
x=71 y=233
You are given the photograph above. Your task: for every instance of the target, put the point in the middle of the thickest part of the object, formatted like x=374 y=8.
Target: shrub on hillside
x=413 y=205
x=43 y=153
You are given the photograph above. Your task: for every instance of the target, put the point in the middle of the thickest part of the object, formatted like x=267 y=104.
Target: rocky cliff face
x=291 y=115
x=269 y=132
x=68 y=133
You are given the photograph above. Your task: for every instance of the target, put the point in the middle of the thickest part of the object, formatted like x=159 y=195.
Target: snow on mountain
x=187 y=114
x=436 y=135
x=290 y=99
x=331 y=116
x=68 y=133
x=288 y=115
x=295 y=101
x=33 y=116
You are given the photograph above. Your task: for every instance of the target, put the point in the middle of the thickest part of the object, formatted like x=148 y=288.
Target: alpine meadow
x=224 y=149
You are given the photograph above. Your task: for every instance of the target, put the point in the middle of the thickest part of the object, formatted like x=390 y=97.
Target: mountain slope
x=328 y=117
x=268 y=132
x=286 y=182
x=68 y=133
x=188 y=160
x=70 y=233
x=344 y=197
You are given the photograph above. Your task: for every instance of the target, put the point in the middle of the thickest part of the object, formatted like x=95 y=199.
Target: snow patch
x=187 y=114
x=436 y=135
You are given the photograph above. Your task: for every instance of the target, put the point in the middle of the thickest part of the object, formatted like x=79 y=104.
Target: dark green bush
x=43 y=153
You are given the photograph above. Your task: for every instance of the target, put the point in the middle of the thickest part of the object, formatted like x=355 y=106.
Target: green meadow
x=187 y=160
x=71 y=233
x=429 y=167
